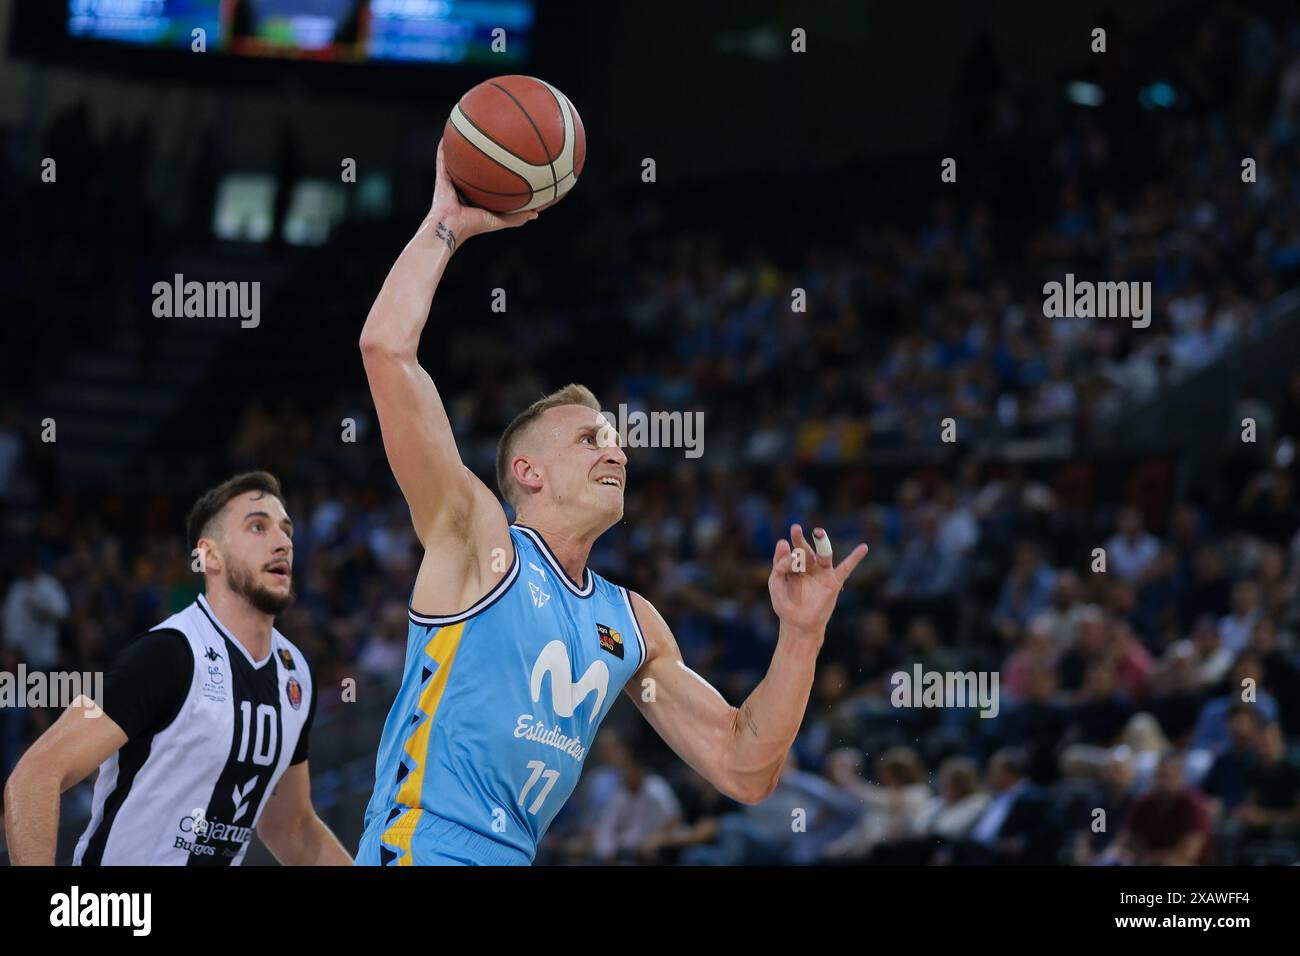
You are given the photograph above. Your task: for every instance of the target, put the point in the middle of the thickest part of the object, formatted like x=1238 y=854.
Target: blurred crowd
x=1145 y=661
x=1148 y=705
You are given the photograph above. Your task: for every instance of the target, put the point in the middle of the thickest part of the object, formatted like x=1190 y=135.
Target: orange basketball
x=514 y=143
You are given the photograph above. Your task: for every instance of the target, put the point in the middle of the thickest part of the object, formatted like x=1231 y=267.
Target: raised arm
x=418 y=438
x=741 y=750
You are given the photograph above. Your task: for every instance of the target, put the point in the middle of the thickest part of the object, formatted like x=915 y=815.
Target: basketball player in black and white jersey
x=201 y=736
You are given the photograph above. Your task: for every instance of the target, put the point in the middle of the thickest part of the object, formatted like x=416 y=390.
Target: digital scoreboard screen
x=409 y=31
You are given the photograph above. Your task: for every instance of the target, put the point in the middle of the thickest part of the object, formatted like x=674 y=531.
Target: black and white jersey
x=210 y=731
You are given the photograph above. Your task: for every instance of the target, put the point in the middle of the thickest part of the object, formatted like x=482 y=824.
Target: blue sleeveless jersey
x=499 y=705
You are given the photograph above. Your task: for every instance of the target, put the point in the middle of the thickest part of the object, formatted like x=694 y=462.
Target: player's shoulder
x=162 y=650
x=654 y=629
x=164 y=632
x=184 y=622
x=613 y=592
x=609 y=589
x=641 y=606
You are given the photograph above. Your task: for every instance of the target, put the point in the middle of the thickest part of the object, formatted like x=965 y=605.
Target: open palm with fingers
x=804 y=599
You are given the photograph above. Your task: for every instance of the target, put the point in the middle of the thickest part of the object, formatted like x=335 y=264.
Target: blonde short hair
x=571 y=394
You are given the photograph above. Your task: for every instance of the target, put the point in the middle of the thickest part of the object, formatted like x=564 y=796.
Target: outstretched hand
x=804 y=599
x=454 y=222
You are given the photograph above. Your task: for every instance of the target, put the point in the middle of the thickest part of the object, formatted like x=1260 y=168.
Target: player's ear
x=526 y=473
x=209 y=556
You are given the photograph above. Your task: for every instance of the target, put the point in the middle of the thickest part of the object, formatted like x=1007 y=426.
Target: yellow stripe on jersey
x=442 y=648
x=399 y=835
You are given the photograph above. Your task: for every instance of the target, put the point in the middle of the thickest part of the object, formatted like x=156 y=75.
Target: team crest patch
x=610 y=640
x=286 y=658
x=294 y=691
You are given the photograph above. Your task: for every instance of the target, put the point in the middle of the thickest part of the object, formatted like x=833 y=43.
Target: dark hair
x=214 y=499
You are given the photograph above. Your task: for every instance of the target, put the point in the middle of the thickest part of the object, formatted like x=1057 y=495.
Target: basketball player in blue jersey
x=516 y=649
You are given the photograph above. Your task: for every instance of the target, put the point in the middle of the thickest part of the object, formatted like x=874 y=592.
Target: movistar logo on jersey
x=567 y=696
x=566 y=693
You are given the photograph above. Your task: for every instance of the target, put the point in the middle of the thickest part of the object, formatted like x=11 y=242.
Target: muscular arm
x=741 y=750
x=142 y=693
x=79 y=741
x=290 y=828
x=418 y=439
x=452 y=511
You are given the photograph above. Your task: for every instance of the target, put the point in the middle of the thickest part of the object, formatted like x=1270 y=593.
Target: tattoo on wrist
x=445 y=234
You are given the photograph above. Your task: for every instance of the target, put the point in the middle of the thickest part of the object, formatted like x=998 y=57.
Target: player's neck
x=246 y=624
x=571 y=548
